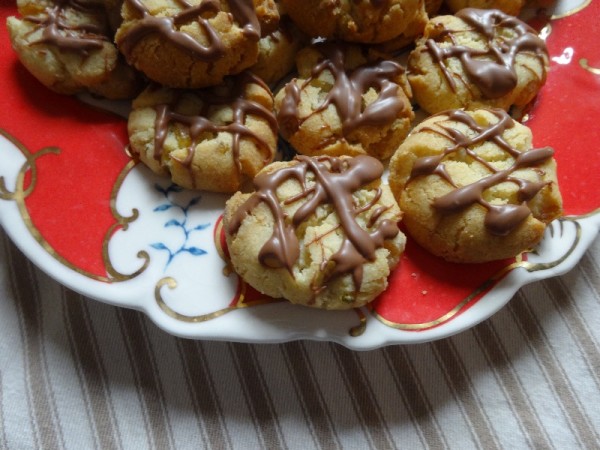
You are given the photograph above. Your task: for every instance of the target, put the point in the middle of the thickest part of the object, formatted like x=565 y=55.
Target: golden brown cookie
x=213 y=139
x=471 y=187
x=343 y=104
x=67 y=45
x=318 y=231
x=364 y=21
x=475 y=59
x=193 y=43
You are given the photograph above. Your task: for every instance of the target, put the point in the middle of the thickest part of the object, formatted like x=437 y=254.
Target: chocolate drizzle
x=167 y=27
x=335 y=179
x=198 y=125
x=346 y=93
x=491 y=69
x=57 y=31
x=500 y=219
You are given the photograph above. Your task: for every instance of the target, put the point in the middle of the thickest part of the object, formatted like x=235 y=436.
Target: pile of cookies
x=217 y=83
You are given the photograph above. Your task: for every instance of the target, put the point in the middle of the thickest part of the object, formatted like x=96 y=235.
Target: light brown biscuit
x=213 y=139
x=318 y=231
x=364 y=21
x=342 y=104
x=475 y=59
x=471 y=187
x=193 y=43
x=68 y=47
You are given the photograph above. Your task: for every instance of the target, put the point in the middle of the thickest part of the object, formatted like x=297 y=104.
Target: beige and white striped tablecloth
x=78 y=374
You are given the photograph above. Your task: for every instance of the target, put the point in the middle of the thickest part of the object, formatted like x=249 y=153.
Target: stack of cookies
x=216 y=84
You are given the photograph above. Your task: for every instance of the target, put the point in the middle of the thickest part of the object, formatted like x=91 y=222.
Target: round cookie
x=317 y=231
x=67 y=46
x=193 y=43
x=342 y=104
x=477 y=58
x=364 y=21
x=510 y=7
x=213 y=139
x=471 y=187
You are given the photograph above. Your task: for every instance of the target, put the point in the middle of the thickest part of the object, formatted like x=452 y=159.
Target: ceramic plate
x=76 y=205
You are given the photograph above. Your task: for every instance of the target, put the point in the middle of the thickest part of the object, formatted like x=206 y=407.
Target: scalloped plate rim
x=377 y=334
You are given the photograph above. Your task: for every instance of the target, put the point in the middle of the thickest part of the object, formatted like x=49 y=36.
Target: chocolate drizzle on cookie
x=346 y=94
x=335 y=179
x=491 y=69
x=57 y=31
x=167 y=27
x=500 y=219
x=200 y=124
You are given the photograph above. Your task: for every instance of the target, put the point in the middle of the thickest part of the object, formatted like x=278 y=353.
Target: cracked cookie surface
x=213 y=139
x=471 y=187
x=477 y=58
x=343 y=104
x=67 y=45
x=317 y=231
x=364 y=21
x=193 y=43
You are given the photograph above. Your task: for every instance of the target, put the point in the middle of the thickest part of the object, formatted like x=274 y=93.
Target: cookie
x=194 y=43
x=407 y=38
x=471 y=187
x=317 y=231
x=477 y=58
x=363 y=21
x=67 y=46
x=213 y=139
x=277 y=52
x=510 y=7
x=343 y=104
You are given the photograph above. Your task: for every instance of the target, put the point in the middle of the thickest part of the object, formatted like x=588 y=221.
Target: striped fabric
x=78 y=374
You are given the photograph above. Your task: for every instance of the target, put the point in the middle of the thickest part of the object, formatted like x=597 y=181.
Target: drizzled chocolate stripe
x=198 y=125
x=57 y=31
x=243 y=13
x=491 y=69
x=499 y=219
x=335 y=181
x=346 y=93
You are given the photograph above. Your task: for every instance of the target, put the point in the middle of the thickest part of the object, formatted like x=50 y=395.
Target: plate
x=74 y=203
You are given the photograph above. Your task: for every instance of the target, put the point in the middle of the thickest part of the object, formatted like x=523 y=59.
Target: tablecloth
x=79 y=374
